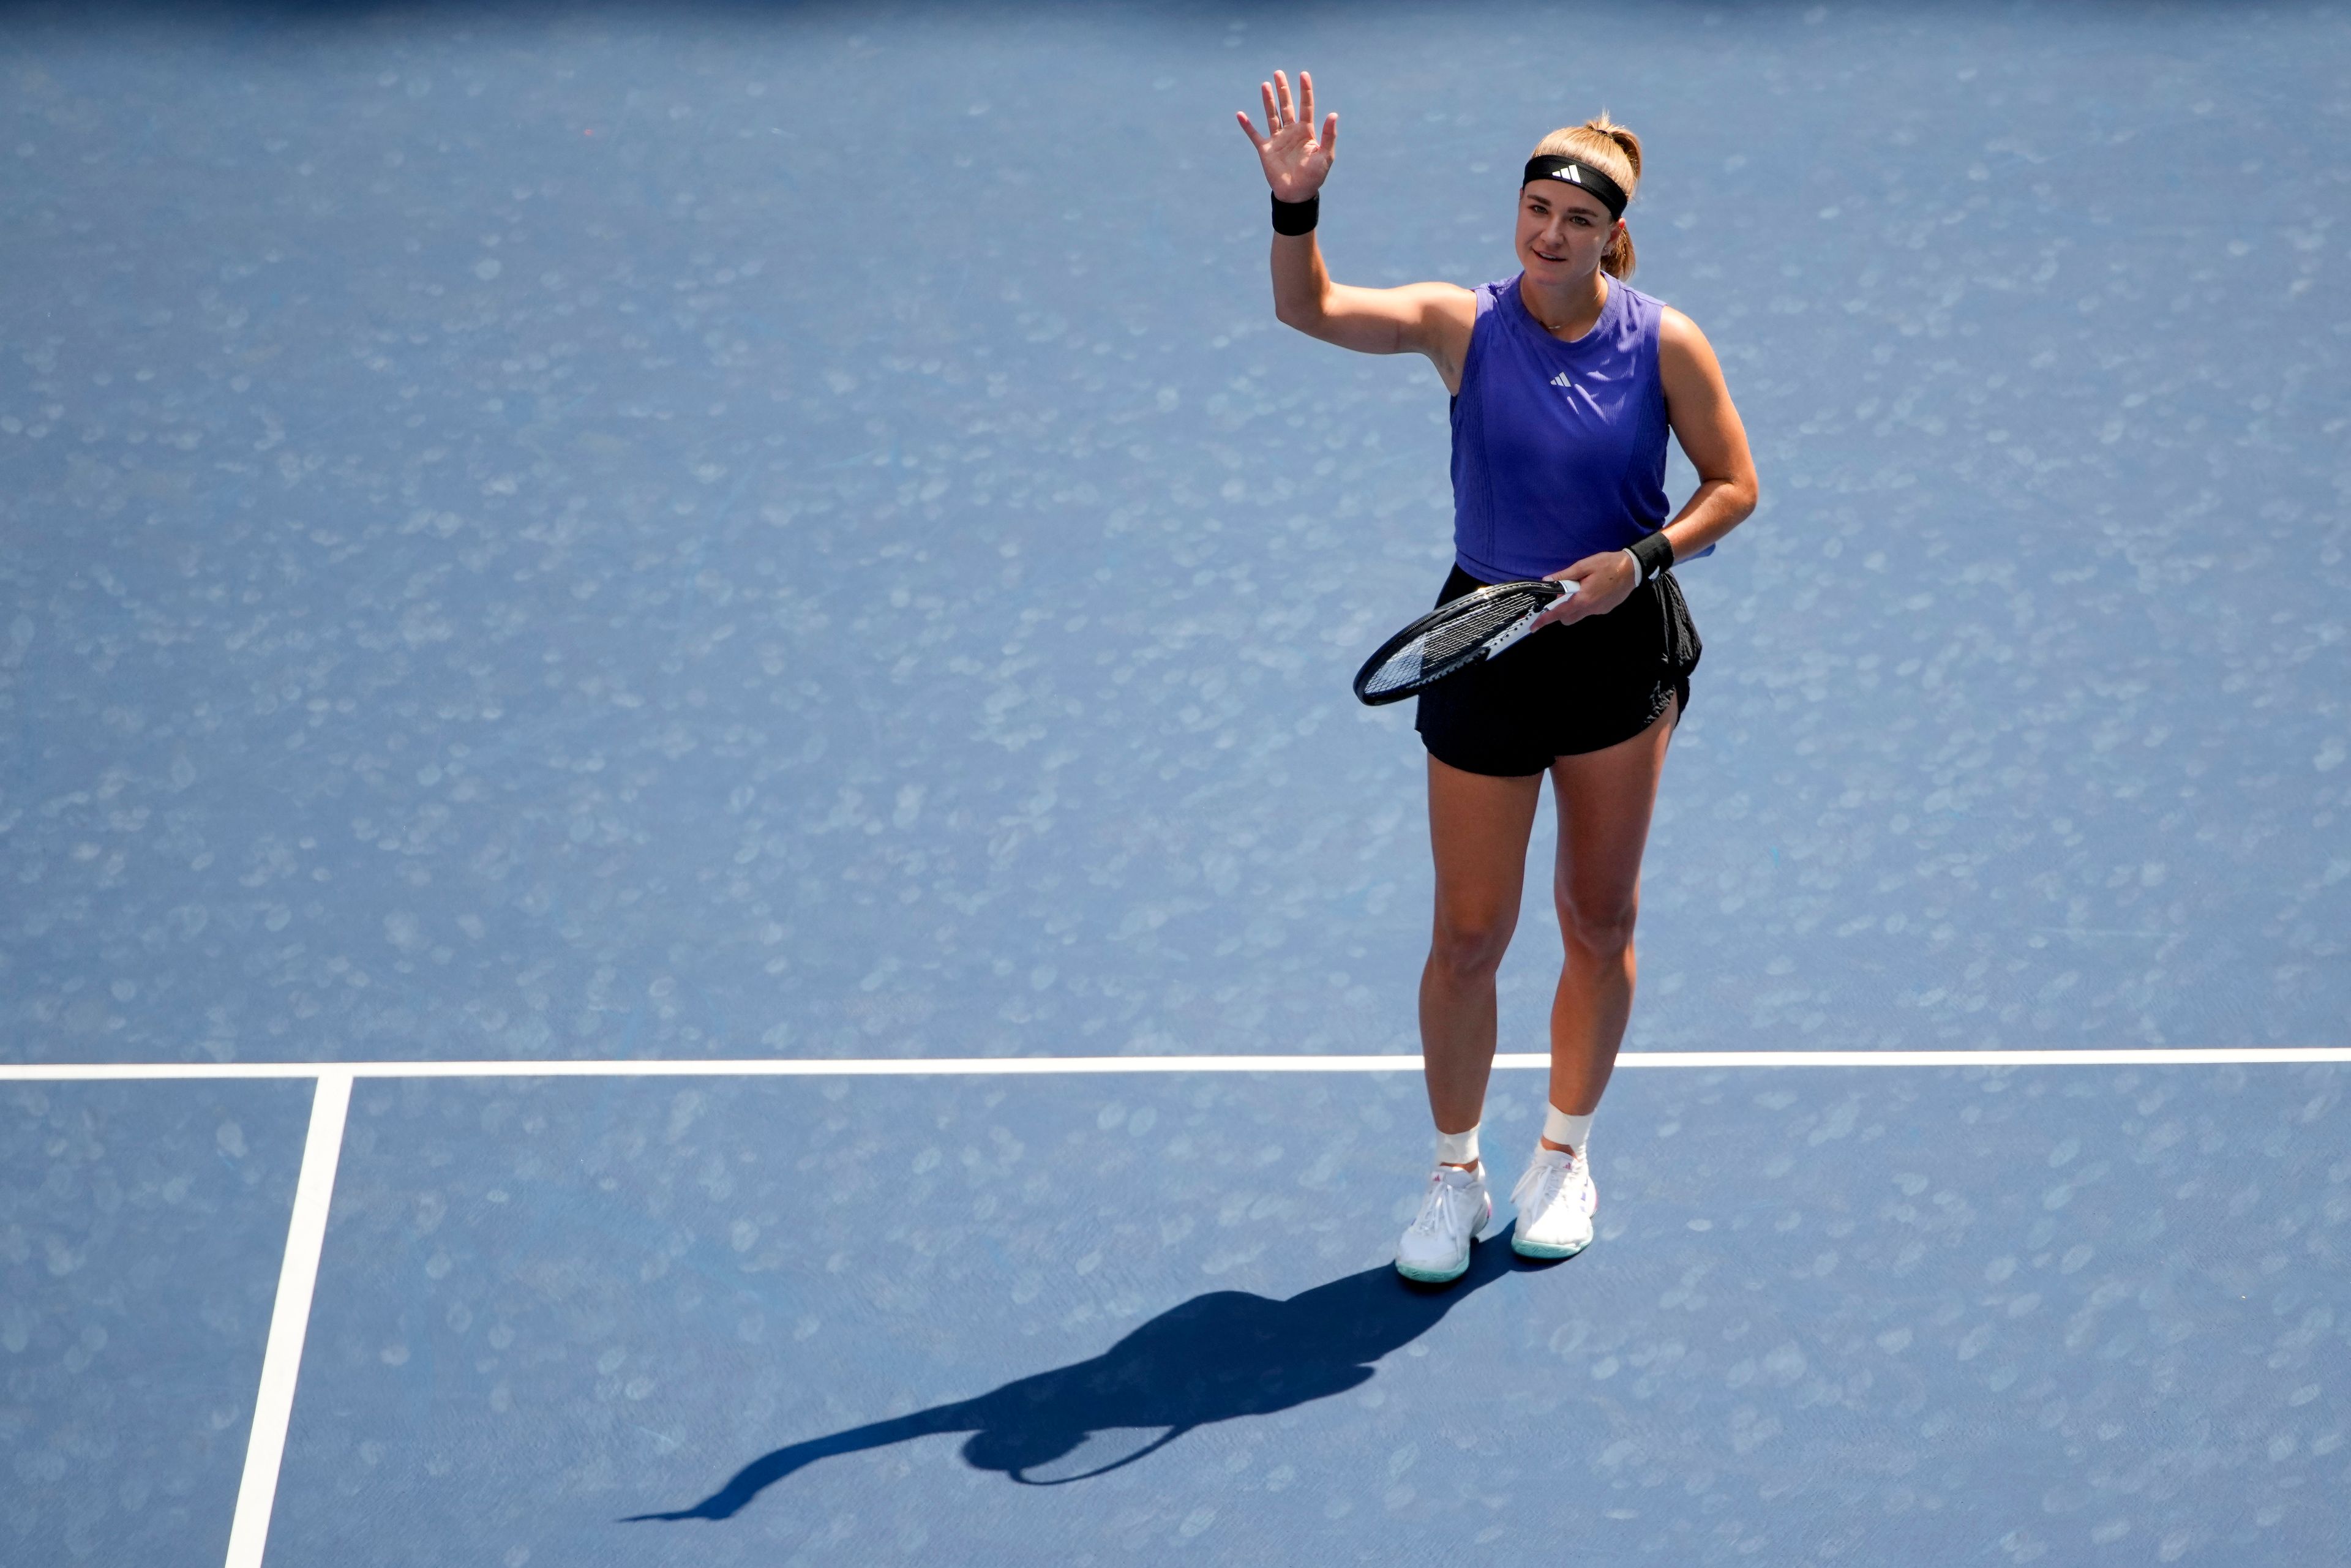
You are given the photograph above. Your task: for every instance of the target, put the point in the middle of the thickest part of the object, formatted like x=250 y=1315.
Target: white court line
x=298 y=1277
x=1029 y=1066
x=289 y=1322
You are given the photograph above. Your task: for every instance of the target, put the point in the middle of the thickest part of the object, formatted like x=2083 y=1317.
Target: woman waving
x=1566 y=383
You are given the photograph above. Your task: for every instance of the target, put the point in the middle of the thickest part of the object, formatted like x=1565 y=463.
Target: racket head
x=1450 y=638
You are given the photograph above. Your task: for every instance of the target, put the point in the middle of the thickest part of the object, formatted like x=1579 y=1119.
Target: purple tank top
x=1559 y=449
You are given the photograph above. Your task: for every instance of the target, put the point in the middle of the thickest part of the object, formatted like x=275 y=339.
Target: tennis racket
x=1455 y=635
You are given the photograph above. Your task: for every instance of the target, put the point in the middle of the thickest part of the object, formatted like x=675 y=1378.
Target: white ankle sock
x=1458 y=1148
x=1559 y=1127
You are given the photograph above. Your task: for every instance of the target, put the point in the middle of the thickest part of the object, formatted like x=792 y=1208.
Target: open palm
x=1296 y=161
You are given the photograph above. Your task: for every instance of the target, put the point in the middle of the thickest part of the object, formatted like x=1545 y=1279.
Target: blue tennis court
x=690 y=877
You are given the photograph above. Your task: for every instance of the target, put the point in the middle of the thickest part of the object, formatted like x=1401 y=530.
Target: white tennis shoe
x=1556 y=1202
x=1435 y=1249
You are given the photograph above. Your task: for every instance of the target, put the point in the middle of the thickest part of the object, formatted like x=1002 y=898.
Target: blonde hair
x=1615 y=152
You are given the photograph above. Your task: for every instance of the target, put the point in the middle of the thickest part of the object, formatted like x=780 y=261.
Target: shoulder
x=1501 y=295
x=1642 y=312
x=1686 y=366
x=1449 y=300
x=1679 y=338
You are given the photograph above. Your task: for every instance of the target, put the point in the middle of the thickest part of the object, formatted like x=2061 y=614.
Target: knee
x=1602 y=930
x=1469 y=950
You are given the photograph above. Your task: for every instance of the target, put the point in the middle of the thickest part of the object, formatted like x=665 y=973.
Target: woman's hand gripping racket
x=1455 y=635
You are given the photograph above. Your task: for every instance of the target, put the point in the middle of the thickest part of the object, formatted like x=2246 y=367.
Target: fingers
x=1588 y=592
x=1330 y=134
x=1595 y=586
x=1248 y=129
x=1282 y=111
x=1574 y=608
x=1571 y=607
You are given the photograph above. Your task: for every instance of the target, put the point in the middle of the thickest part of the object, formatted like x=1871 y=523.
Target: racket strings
x=1441 y=644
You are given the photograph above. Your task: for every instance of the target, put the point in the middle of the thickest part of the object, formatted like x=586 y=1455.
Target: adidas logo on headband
x=1581 y=175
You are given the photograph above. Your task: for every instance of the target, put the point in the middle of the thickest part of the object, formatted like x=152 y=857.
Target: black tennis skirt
x=1565 y=690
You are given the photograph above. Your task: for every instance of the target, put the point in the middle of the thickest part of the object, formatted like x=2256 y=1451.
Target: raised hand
x=1296 y=162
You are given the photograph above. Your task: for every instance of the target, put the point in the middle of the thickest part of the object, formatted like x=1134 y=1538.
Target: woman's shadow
x=1215 y=1357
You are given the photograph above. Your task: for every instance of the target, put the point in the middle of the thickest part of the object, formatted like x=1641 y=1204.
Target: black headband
x=1581 y=175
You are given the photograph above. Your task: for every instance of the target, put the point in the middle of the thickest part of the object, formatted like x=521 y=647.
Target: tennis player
x=1565 y=381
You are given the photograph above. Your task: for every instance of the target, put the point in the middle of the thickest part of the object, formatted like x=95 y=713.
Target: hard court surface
x=564 y=536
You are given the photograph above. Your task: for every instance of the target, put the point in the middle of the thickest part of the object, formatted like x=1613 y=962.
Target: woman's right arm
x=1433 y=319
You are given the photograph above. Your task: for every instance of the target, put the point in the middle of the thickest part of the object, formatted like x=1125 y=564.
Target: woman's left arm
x=1698 y=408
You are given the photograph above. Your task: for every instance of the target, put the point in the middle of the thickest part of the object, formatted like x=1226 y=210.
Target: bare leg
x=1604 y=799
x=1478 y=829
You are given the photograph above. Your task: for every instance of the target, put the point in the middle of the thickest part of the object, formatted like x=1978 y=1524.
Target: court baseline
x=314 y=1188
x=1023 y=1066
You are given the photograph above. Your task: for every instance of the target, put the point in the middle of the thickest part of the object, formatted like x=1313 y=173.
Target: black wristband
x=1296 y=217
x=1655 y=552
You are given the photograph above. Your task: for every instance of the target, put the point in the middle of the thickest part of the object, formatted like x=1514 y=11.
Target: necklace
x=1554 y=328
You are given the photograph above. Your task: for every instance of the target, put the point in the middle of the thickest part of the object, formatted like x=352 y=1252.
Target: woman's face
x=1562 y=232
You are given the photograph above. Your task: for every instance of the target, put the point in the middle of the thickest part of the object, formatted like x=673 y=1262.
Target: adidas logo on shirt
x=1561 y=381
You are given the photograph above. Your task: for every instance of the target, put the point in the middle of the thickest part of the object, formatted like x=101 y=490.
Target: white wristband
x=1640 y=574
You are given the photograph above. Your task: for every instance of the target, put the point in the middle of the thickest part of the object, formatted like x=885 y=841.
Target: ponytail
x=1617 y=261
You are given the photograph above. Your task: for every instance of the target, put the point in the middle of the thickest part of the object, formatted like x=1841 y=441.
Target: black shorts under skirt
x=1565 y=690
